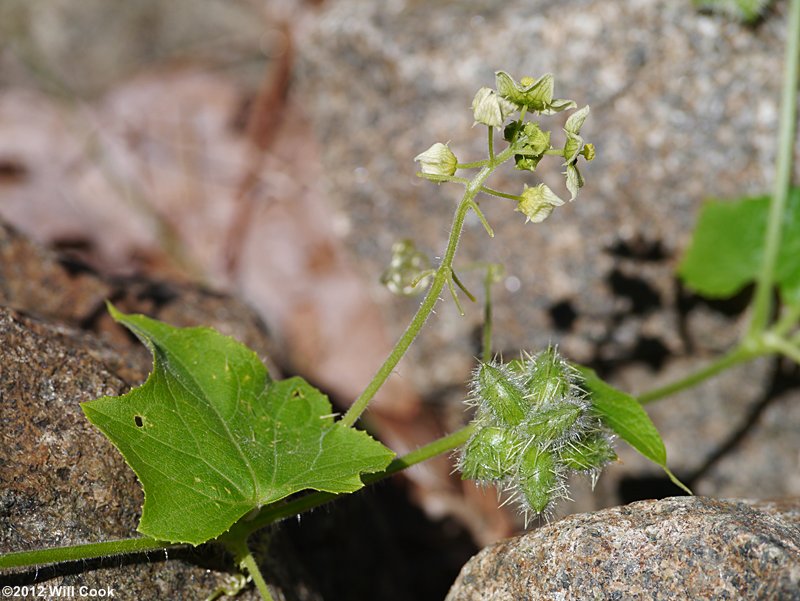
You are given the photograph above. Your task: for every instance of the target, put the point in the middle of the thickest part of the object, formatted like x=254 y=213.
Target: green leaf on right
x=626 y=417
x=727 y=248
x=211 y=436
x=746 y=10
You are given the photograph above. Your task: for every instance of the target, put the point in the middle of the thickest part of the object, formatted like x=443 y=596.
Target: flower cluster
x=534 y=426
x=529 y=143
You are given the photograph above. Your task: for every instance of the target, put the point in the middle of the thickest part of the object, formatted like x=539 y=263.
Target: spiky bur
x=503 y=398
x=534 y=427
x=491 y=454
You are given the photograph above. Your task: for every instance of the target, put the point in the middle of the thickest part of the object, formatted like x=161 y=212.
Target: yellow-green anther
x=588 y=152
x=491 y=109
x=437 y=160
x=538 y=202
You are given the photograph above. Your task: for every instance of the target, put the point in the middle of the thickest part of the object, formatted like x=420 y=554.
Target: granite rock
x=677 y=548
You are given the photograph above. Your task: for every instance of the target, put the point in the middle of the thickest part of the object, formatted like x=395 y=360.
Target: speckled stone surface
x=677 y=548
x=684 y=107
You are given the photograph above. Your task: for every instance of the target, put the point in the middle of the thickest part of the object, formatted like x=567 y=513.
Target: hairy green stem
x=439 y=179
x=738 y=355
x=493 y=192
x=762 y=307
x=473 y=164
x=244 y=558
x=482 y=217
x=442 y=278
x=38 y=557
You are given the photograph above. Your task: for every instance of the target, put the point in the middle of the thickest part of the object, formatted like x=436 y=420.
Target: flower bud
x=491 y=109
x=437 y=160
x=538 y=202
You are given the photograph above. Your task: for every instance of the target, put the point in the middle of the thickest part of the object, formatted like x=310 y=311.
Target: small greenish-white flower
x=535 y=94
x=437 y=160
x=490 y=108
x=538 y=202
x=530 y=141
x=574 y=147
x=572 y=128
x=406 y=274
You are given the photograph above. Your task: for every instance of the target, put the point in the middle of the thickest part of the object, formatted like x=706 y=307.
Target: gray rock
x=678 y=548
x=684 y=106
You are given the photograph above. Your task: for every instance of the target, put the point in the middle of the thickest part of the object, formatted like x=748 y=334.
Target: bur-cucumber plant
x=222 y=450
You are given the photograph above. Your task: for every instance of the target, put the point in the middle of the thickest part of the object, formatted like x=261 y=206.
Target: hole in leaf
x=138 y=421
x=296 y=394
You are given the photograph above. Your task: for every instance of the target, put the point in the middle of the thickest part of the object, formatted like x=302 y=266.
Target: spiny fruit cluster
x=534 y=426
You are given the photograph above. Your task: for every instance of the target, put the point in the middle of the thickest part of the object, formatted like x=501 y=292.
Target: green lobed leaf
x=211 y=437
x=625 y=416
x=728 y=245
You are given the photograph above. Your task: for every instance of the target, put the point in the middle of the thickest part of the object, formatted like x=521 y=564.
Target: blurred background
x=263 y=149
